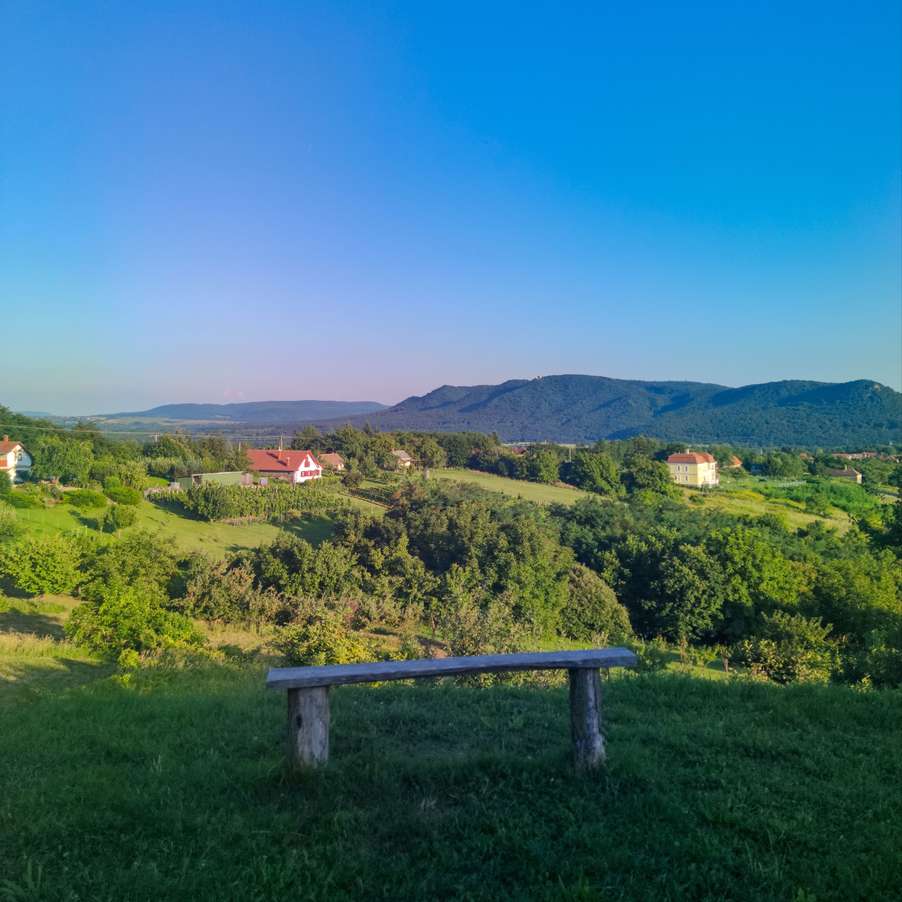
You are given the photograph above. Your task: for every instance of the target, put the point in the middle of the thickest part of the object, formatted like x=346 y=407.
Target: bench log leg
x=585 y=727
x=308 y=727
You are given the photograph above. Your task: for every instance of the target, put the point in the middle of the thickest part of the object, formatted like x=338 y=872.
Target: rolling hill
x=574 y=408
x=250 y=412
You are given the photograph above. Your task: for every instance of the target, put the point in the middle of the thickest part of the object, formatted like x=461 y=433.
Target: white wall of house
x=16 y=463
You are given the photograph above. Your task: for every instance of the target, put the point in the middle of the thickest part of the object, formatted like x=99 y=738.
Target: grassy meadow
x=517 y=488
x=169 y=783
x=185 y=534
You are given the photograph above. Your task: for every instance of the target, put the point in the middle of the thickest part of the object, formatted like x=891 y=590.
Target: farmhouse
x=845 y=473
x=404 y=460
x=332 y=461
x=14 y=459
x=693 y=469
x=291 y=466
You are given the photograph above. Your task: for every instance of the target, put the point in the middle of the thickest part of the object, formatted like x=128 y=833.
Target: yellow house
x=693 y=469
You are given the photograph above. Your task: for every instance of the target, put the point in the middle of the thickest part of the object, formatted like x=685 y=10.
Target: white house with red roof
x=14 y=459
x=291 y=466
x=693 y=469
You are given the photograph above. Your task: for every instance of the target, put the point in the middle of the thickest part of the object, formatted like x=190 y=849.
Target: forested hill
x=584 y=408
x=252 y=411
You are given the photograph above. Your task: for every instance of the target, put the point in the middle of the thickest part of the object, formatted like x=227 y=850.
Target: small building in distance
x=226 y=477
x=291 y=466
x=845 y=473
x=855 y=455
x=15 y=461
x=332 y=461
x=693 y=469
x=735 y=463
x=404 y=460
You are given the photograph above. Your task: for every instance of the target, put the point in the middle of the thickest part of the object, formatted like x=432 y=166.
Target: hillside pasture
x=170 y=782
x=538 y=492
x=186 y=534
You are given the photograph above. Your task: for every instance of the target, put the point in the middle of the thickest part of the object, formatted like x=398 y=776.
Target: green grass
x=170 y=784
x=518 y=488
x=185 y=534
x=742 y=499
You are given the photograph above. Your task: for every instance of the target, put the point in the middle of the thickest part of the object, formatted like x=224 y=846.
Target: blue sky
x=226 y=201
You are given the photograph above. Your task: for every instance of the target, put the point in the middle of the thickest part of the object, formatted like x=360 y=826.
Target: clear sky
x=364 y=200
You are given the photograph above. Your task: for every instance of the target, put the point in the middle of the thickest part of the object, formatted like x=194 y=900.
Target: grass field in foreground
x=518 y=488
x=170 y=784
x=185 y=534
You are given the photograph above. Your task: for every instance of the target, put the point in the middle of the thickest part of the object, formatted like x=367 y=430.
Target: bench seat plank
x=339 y=674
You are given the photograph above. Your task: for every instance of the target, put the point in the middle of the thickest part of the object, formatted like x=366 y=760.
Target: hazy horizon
x=208 y=202
x=262 y=400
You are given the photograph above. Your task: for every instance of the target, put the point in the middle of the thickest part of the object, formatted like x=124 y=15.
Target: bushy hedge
x=222 y=502
x=42 y=564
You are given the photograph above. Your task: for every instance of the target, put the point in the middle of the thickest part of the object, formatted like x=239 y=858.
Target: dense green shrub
x=9 y=525
x=42 y=564
x=592 y=612
x=118 y=516
x=136 y=558
x=85 y=499
x=227 y=592
x=6 y=484
x=322 y=638
x=123 y=494
x=291 y=566
x=27 y=496
x=790 y=648
x=122 y=618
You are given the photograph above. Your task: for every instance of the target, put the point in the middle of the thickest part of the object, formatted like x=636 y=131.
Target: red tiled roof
x=691 y=457
x=6 y=446
x=272 y=460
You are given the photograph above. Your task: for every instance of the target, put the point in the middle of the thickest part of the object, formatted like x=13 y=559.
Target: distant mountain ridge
x=255 y=412
x=576 y=408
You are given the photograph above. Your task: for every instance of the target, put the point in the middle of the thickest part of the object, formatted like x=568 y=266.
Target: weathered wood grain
x=308 y=727
x=585 y=724
x=339 y=674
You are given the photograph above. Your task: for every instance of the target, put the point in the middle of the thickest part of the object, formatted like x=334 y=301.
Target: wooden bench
x=308 y=693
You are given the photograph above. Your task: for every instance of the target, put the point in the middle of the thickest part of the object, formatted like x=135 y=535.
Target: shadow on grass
x=22 y=620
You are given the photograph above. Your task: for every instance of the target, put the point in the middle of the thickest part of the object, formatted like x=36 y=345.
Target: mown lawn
x=170 y=784
x=518 y=488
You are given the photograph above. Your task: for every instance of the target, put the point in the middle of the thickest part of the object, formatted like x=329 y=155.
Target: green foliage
x=129 y=618
x=139 y=558
x=542 y=464
x=226 y=591
x=323 y=637
x=293 y=567
x=789 y=649
x=121 y=494
x=6 y=485
x=594 y=472
x=27 y=496
x=41 y=565
x=592 y=612
x=61 y=457
x=640 y=474
x=85 y=499
x=9 y=524
x=118 y=516
x=278 y=499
